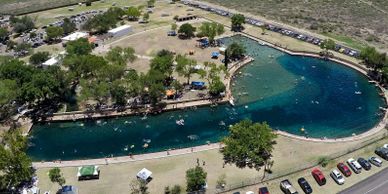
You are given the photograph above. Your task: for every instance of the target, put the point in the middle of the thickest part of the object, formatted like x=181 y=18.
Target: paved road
x=376 y=184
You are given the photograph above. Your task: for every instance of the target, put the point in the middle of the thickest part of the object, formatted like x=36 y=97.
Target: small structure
x=68 y=189
x=75 y=36
x=215 y=55
x=197 y=85
x=120 y=31
x=51 y=62
x=186 y=18
x=145 y=175
x=88 y=172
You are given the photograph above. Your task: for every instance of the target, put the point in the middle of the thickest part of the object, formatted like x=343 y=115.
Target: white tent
x=144 y=174
x=75 y=36
x=51 y=62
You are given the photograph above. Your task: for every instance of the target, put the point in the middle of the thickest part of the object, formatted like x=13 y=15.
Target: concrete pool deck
x=182 y=105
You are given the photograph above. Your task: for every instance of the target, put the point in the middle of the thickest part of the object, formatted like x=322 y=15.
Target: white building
x=75 y=36
x=120 y=31
x=51 y=62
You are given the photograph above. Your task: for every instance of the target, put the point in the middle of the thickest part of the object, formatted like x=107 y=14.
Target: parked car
x=375 y=161
x=318 y=176
x=354 y=165
x=337 y=176
x=382 y=152
x=305 y=185
x=263 y=190
x=344 y=169
x=287 y=187
x=364 y=163
x=385 y=146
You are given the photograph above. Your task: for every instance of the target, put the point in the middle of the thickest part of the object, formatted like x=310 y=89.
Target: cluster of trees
x=187 y=30
x=15 y=165
x=103 y=22
x=211 y=30
x=22 y=24
x=377 y=61
x=29 y=85
x=3 y=35
x=55 y=32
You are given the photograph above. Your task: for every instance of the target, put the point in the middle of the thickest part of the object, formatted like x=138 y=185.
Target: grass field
x=24 y=6
x=352 y=19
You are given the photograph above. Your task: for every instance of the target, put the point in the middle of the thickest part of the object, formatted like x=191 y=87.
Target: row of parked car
x=275 y=28
x=338 y=174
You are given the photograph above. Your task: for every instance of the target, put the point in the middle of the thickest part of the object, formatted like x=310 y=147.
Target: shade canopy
x=144 y=174
x=87 y=171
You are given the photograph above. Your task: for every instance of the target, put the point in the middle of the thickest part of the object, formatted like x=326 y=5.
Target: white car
x=385 y=146
x=337 y=176
x=354 y=165
x=375 y=161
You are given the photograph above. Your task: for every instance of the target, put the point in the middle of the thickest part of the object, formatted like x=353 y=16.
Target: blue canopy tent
x=198 y=85
x=215 y=55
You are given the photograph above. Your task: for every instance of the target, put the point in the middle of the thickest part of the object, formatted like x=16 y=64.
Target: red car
x=344 y=169
x=318 y=176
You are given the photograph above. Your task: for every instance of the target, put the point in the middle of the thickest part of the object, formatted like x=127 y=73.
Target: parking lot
x=331 y=186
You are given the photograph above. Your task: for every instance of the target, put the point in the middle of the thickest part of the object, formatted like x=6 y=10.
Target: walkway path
x=116 y=160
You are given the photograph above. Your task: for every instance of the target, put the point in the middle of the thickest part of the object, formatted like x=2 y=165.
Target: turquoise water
x=289 y=92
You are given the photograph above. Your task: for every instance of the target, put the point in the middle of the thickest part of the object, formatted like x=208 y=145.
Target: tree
x=22 y=24
x=151 y=3
x=138 y=186
x=133 y=13
x=9 y=93
x=176 y=189
x=163 y=63
x=121 y=56
x=39 y=57
x=54 y=32
x=68 y=26
x=328 y=44
x=236 y=51
x=372 y=58
x=146 y=17
x=211 y=30
x=221 y=181
x=185 y=67
x=196 y=179
x=216 y=87
x=118 y=92
x=3 y=34
x=88 y=3
x=15 y=165
x=187 y=30
x=237 y=22
x=56 y=176
x=96 y=90
x=174 y=26
x=79 y=47
x=249 y=145
x=23 y=48
x=103 y=22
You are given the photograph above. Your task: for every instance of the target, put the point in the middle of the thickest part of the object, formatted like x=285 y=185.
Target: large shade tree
x=15 y=165
x=185 y=67
x=196 y=179
x=187 y=30
x=211 y=30
x=249 y=145
x=237 y=22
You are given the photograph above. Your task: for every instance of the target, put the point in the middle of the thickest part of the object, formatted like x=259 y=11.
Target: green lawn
x=350 y=42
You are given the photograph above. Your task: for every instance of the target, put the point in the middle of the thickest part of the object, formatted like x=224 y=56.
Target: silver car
x=375 y=161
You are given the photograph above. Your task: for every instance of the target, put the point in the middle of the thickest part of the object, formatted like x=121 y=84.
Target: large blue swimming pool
x=289 y=92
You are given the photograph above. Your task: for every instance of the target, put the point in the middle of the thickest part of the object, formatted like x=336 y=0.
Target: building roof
x=144 y=174
x=120 y=28
x=75 y=36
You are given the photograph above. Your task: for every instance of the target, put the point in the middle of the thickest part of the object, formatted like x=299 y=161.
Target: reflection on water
x=290 y=93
